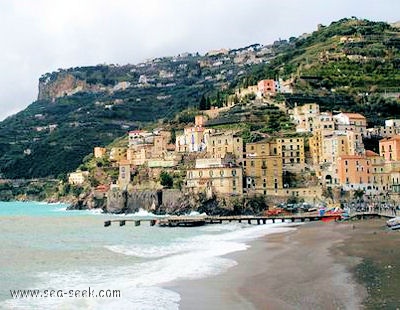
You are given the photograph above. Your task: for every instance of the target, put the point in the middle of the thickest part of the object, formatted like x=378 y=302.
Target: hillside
x=351 y=65
x=79 y=108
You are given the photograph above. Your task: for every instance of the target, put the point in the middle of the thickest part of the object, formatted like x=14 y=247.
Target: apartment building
x=263 y=168
x=291 y=150
x=389 y=148
x=305 y=117
x=223 y=143
x=77 y=177
x=353 y=122
x=216 y=175
x=354 y=172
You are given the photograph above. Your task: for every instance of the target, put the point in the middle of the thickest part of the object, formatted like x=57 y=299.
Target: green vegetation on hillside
x=348 y=65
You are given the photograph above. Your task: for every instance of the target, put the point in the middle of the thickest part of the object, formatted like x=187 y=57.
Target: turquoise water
x=43 y=246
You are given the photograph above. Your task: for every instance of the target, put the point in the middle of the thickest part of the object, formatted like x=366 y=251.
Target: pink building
x=266 y=87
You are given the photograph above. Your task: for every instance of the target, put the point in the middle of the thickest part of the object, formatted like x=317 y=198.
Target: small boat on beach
x=394 y=223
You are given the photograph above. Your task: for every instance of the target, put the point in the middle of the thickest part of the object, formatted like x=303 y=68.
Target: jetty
x=191 y=221
x=187 y=221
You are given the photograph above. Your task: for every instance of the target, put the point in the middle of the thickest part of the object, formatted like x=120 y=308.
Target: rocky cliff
x=172 y=201
x=62 y=84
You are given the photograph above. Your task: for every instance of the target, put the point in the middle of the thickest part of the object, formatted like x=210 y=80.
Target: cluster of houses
x=338 y=155
x=329 y=147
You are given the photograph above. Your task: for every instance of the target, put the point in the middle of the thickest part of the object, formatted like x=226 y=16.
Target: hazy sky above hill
x=40 y=36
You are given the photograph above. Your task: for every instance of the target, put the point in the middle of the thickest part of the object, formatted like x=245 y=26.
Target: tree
x=208 y=103
x=203 y=103
x=166 y=179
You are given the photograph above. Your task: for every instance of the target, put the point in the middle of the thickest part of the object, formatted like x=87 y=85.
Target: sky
x=40 y=36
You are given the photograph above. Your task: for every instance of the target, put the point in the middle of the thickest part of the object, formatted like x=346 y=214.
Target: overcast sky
x=39 y=36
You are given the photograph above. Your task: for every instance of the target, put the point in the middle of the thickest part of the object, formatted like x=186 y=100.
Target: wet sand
x=317 y=266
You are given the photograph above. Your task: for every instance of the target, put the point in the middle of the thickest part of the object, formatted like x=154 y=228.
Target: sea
x=73 y=262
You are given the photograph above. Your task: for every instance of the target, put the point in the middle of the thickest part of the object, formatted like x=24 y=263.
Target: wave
x=162 y=260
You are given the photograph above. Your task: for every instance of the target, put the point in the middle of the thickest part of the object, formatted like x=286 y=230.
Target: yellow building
x=99 y=152
x=160 y=144
x=215 y=176
x=381 y=176
x=251 y=90
x=336 y=145
x=223 y=143
x=324 y=126
x=117 y=153
x=139 y=154
x=263 y=169
x=78 y=177
x=291 y=150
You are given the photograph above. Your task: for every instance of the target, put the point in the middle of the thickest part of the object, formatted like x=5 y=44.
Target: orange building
x=389 y=148
x=354 y=172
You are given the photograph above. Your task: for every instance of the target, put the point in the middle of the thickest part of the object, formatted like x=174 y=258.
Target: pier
x=190 y=221
x=185 y=221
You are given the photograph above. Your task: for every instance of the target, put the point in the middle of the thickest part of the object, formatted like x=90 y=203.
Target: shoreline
x=316 y=266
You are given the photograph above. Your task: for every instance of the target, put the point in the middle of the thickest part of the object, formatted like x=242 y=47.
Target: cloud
x=39 y=36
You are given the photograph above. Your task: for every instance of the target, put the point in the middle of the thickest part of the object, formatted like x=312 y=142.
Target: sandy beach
x=317 y=266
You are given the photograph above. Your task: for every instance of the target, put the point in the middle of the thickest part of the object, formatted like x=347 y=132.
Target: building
x=263 y=168
x=194 y=138
x=161 y=142
x=124 y=177
x=354 y=172
x=354 y=122
x=118 y=153
x=251 y=90
x=380 y=174
x=266 y=87
x=216 y=176
x=389 y=148
x=335 y=145
x=223 y=143
x=78 y=177
x=391 y=128
x=140 y=154
x=140 y=137
x=305 y=117
x=291 y=150
x=324 y=126
x=99 y=152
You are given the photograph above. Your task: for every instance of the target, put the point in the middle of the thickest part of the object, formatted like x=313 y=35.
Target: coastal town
x=322 y=161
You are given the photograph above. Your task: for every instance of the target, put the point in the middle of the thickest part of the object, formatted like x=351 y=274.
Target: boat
x=394 y=223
